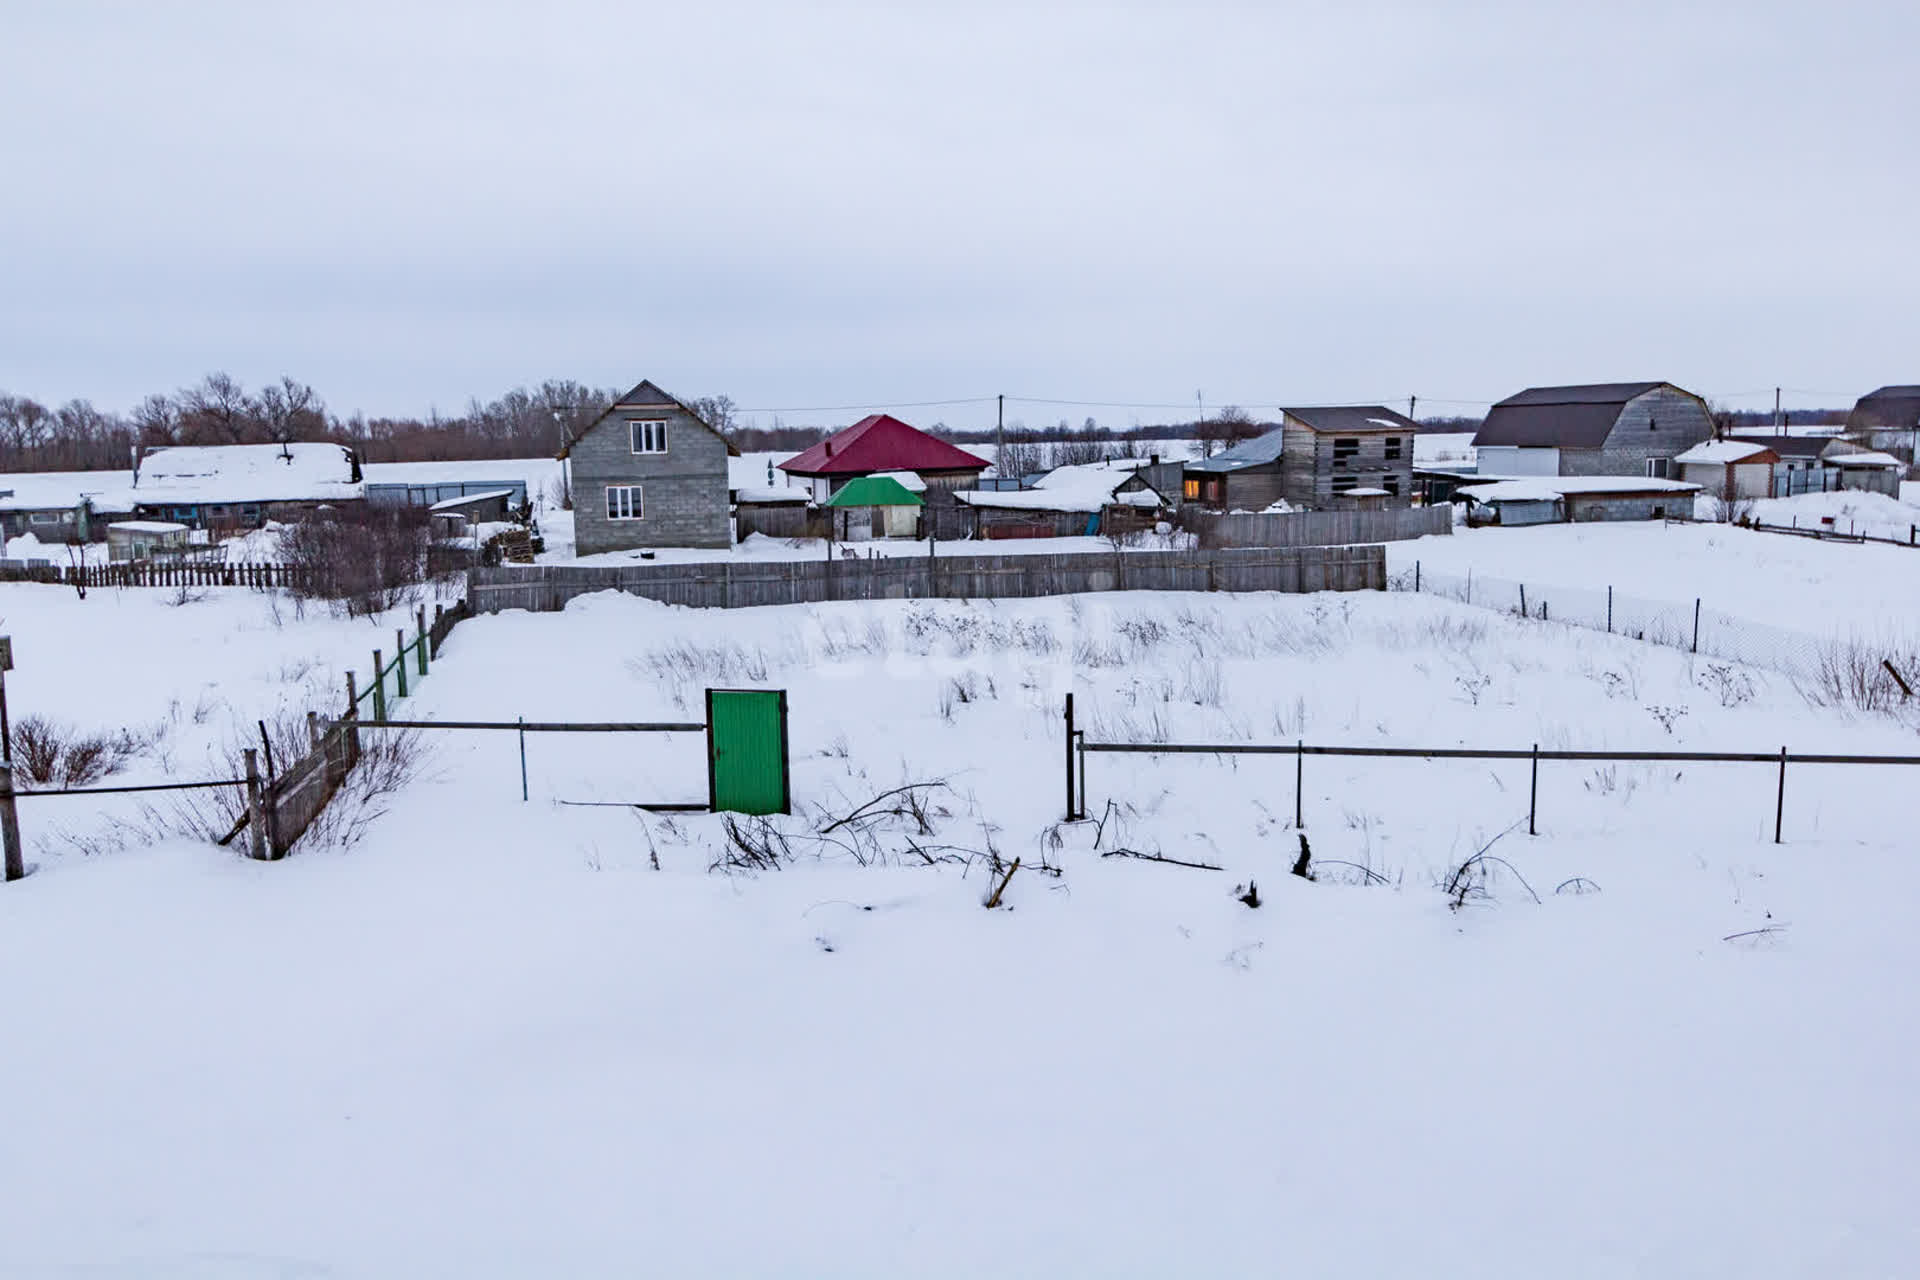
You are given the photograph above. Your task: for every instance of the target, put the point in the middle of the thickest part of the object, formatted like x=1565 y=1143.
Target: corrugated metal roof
x=881 y=442
x=1256 y=452
x=874 y=491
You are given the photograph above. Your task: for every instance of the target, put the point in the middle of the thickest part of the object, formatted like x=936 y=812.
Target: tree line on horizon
x=537 y=422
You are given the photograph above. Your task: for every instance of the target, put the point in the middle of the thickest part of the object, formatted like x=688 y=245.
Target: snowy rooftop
x=461 y=501
x=1547 y=488
x=1868 y=458
x=778 y=493
x=908 y=480
x=1075 y=499
x=1722 y=451
x=1367 y=493
x=46 y=490
x=247 y=473
x=147 y=526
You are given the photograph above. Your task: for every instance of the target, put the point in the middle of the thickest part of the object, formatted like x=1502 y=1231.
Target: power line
x=878 y=404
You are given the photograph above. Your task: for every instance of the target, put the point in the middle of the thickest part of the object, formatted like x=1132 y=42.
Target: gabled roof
x=874 y=491
x=1352 y=417
x=1577 y=417
x=227 y=473
x=881 y=442
x=647 y=396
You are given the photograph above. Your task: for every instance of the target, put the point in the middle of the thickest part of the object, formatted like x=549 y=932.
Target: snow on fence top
x=248 y=473
x=1867 y=458
x=449 y=504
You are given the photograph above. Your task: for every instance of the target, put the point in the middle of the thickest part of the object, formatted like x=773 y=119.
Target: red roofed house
x=880 y=443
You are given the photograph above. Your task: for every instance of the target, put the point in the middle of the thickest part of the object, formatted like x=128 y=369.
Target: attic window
x=649 y=434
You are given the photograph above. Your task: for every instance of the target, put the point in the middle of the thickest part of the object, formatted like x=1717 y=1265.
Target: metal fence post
x=1696 y=624
x=256 y=811
x=1299 y=774
x=1533 y=794
x=522 y=720
x=1416 y=577
x=379 y=688
x=399 y=662
x=1073 y=810
x=420 y=621
x=1609 y=608
x=1780 y=797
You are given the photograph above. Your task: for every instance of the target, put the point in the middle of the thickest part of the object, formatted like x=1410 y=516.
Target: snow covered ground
x=1851 y=511
x=1771 y=578
x=493 y=1039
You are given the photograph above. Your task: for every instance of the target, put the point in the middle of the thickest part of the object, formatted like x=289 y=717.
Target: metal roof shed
x=893 y=510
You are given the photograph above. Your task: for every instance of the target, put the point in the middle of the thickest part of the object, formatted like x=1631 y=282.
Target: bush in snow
x=364 y=561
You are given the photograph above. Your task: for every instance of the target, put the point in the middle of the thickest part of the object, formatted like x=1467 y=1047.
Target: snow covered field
x=1771 y=578
x=493 y=1039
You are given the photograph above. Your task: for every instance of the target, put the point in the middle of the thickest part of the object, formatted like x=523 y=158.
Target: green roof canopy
x=874 y=491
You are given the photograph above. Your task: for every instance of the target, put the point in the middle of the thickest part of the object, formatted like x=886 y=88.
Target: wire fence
x=1884 y=668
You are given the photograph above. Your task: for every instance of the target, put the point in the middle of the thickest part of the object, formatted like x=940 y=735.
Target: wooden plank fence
x=724 y=584
x=1316 y=528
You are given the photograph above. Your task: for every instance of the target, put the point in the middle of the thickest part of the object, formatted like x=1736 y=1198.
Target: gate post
x=256 y=811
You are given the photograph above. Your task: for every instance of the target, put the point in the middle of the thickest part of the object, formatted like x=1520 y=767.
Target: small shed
x=146 y=540
x=1866 y=469
x=459 y=517
x=874 y=507
x=1362 y=499
x=1730 y=470
x=1581 y=499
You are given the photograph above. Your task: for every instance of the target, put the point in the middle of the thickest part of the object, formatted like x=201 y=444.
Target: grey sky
x=859 y=204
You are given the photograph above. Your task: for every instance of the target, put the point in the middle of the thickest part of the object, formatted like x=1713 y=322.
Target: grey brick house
x=1602 y=429
x=648 y=473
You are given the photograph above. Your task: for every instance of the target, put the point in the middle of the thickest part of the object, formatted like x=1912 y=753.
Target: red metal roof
x=881 y=442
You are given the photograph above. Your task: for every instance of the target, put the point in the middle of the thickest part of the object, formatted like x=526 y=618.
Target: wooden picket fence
x=147 y=573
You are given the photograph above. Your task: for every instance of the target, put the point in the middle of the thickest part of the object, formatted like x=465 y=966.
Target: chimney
x=829 y=448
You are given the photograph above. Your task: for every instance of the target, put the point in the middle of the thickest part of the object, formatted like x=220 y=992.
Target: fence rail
x=1078 y=749
x=723 y=584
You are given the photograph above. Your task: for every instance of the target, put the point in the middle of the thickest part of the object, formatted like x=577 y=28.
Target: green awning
x=874 y=491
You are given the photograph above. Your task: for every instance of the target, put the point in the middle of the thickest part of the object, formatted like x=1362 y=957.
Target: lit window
x=649 y=434
x=1193 y=490
x=623 y=502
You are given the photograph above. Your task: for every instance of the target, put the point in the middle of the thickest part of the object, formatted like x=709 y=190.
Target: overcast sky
x=823 y=205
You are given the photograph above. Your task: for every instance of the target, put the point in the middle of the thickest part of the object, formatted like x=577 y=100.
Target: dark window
x=1391 y=484
x=1393 y=448
x=1659 y=513
x=1658 y=468
x=1343 y=483
x=1345 y=449
x=649 y=435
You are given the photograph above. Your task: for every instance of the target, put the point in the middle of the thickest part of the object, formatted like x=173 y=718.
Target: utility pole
x=1779 y=425
x=1000 y=435
x=1411 y=402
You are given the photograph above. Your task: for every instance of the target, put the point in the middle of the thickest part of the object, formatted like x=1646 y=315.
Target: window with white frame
x=1658 y=468
x=649 y=434
x=623 y=502
x=49 y=517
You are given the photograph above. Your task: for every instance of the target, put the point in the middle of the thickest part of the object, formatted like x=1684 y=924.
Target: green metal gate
x=747 y=751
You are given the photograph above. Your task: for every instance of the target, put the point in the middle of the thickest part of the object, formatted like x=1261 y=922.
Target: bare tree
x=218 y=411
